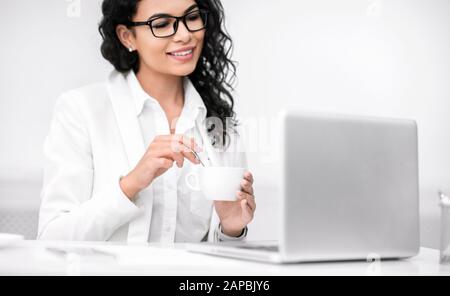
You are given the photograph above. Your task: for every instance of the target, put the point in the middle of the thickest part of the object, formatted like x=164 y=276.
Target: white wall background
x=382 y=58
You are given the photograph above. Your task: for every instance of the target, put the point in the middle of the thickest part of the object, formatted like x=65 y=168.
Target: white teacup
x=217 y=183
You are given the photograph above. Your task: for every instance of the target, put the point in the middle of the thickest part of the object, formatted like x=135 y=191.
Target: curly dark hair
x=215 y=72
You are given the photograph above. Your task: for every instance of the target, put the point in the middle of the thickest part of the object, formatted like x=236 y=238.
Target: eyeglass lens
x=165 y=26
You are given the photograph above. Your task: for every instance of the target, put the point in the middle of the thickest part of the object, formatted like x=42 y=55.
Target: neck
x=166 y=89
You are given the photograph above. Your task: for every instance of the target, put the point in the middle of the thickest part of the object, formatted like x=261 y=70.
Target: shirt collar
x=193 y=104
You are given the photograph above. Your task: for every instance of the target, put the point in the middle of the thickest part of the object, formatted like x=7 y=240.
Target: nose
x=183 y=33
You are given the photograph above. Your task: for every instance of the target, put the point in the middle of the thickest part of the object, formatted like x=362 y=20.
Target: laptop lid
x=349 y=187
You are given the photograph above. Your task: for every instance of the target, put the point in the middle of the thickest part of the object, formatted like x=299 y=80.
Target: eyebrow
x=165 y=14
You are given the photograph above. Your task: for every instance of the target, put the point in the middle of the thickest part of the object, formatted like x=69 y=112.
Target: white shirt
x=174 y=219
x=98 y=133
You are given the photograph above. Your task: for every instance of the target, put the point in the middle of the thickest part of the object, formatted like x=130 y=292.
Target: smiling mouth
x=182 y=53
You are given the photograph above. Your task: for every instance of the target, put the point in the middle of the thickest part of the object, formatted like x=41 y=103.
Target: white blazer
x=94 y=139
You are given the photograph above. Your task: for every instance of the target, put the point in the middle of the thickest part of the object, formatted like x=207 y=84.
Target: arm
x=68 y=210
x=219 y=236
x=233 y=217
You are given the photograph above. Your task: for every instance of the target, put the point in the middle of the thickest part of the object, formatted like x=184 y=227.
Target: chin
x=182 y=70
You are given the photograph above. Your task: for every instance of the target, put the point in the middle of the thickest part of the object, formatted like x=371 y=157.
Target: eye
x=193 y=16
x=160 y=23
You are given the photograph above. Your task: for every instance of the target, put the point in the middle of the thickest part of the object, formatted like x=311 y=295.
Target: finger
x=179 y=158
x=176 y=151
x=185 y=152
x=178 y=147
x=248 y=176
x=247 y=212
x=190 y=142
x=196 y=147
x=163 y=138
x=190 y=156
x=160 y=147
x=247 y=186
x=177 y=138
x=164 y=163
x=245 y=196
x=176 y=156
x=157 y=150
x=251 y=203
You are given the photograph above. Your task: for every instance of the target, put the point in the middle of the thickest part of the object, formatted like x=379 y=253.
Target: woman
x=110 y=170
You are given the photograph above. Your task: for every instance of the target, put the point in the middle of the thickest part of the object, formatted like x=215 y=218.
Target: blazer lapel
x=133 y=142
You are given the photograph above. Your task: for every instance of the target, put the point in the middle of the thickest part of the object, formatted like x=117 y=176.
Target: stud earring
x=130 y=49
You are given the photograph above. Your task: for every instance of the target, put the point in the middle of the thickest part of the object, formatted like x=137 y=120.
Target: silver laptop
x=349 y=191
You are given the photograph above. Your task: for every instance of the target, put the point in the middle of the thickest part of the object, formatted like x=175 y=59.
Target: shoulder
x=91 y=98
x=96 y=94
x=88 y=94
x=81 y=103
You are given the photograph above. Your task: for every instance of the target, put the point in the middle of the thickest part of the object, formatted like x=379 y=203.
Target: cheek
x=200 y=36
x=153 y=51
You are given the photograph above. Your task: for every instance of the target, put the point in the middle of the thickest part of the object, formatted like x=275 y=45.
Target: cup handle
x=195 y=187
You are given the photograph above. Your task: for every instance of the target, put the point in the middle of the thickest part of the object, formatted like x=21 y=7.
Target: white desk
x=32 y=258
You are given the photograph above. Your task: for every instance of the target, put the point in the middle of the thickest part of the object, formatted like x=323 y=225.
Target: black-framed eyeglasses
x=167 y=25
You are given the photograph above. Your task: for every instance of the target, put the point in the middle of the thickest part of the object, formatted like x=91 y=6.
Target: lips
x=182 y=53
x=185 y=51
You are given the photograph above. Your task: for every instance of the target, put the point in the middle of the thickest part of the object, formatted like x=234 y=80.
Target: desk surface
x=43 y=258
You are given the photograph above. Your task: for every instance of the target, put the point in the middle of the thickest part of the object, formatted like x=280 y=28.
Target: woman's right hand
x=159 y=157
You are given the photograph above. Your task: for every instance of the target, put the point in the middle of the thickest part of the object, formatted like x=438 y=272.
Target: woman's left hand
x=235 y=215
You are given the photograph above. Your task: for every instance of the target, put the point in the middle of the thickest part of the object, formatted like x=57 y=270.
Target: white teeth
x=182 y=53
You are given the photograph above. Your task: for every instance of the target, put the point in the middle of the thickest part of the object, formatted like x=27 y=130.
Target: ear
x=126 y=37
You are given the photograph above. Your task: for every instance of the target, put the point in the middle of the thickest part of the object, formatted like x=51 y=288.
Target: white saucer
x=7 y=239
